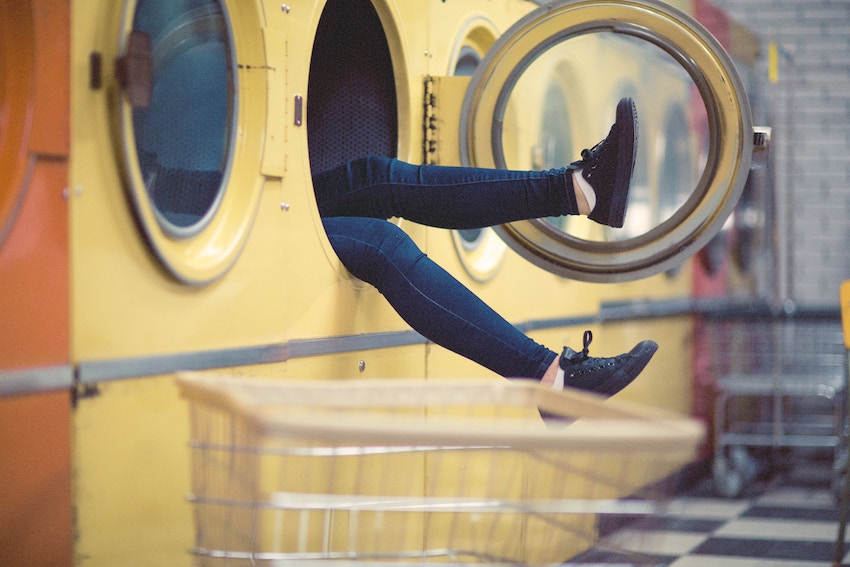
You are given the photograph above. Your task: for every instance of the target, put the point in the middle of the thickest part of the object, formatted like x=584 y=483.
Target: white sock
x=588 y=191
x=558 y=384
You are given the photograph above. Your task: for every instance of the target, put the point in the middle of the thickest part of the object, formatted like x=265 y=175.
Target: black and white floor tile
x=789 y=519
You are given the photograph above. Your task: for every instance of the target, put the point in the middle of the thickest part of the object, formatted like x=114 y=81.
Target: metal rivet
x=361 y=366
x=285 y=9
x=284 y=206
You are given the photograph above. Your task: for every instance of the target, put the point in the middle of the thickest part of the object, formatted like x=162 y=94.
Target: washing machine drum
x=352 y=101
x=181 y=135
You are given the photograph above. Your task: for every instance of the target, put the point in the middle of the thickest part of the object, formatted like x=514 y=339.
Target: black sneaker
x=604 y=376
x=608 y=166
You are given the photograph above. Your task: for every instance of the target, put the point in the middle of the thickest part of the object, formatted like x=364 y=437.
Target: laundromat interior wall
x=114 y=307
x=809 y=96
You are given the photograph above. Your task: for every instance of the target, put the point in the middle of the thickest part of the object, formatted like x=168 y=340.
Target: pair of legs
x=356 y=199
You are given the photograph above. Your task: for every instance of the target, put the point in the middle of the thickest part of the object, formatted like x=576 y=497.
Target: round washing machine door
x=183 y=111
x=601 y=51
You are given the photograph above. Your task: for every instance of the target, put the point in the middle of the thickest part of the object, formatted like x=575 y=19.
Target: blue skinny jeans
x=356 y=199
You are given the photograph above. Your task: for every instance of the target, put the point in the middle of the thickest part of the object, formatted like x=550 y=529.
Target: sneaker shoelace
x=573 y=363
x=576 y=357
x=570 y=358
x=590 y=158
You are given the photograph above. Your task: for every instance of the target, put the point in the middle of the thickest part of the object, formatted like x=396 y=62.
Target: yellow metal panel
x=278 y=100
x=131 y=476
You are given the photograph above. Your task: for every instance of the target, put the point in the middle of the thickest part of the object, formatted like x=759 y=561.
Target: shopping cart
x=418 y=471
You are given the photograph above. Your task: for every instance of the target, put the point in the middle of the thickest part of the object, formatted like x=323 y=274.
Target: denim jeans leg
x=431 y=300
x=445 y=197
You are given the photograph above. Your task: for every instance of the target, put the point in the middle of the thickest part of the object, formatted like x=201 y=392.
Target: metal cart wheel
x=733 y=473
x=839 y=472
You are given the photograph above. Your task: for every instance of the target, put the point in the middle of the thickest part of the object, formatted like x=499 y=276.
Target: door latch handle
x=134 y=70
x=761 y=146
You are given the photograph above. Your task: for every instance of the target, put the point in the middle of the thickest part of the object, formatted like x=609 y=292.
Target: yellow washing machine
x=195 y=240
x=182 y=193
x=35 y=374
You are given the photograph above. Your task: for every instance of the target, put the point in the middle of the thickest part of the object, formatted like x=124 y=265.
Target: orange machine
x=35 y=373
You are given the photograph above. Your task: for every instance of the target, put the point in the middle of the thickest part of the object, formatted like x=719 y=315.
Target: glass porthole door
x=180 y=115
x=599 y=52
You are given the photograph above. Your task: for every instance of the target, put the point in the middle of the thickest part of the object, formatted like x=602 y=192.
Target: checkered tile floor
x=787 y=520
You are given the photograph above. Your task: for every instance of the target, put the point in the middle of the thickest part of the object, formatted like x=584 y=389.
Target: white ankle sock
x=588 y=191
x=558 y=384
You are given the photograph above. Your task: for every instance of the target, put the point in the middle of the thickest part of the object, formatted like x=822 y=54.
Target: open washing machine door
x=597 y=52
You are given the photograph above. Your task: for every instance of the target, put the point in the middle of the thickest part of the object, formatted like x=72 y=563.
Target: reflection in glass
x=183 y=136
x=676 y=174
x=565 y=100
x=555 y=148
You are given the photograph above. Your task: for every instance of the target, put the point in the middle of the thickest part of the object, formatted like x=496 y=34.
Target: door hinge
x=429 y=123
